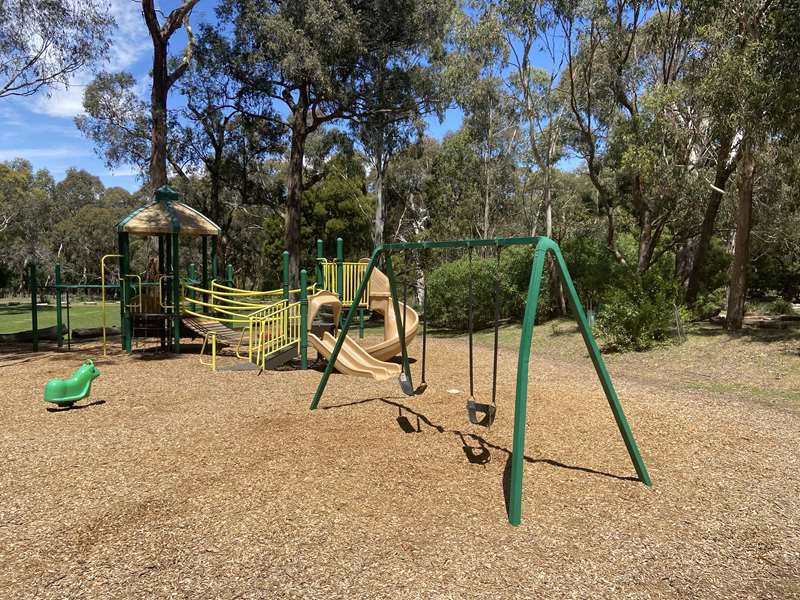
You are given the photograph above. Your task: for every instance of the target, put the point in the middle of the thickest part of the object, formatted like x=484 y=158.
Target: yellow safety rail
x=352 y=274
x=161 y=291
x=274 y=329
x=271 y=323
x=139 y=295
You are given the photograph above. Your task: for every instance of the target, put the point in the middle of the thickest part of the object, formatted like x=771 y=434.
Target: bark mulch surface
x=172 y=481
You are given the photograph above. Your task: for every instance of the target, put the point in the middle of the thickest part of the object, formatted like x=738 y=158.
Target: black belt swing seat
x=480 y=413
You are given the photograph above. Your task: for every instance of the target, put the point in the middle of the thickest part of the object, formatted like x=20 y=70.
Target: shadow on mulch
x=479 y=454
x=54 y=409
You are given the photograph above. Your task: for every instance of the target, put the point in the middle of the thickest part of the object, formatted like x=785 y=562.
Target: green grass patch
x=17 y=318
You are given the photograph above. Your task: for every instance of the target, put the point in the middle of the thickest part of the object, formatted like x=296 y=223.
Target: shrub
x=708 y=304
x=779 y=307
x=448 y=295
x=638 y=313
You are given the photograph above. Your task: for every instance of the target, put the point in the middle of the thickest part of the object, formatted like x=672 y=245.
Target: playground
x=171 y=480
x=226 y=442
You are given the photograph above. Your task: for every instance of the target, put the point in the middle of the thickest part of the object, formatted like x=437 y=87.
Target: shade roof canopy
x=166 y=214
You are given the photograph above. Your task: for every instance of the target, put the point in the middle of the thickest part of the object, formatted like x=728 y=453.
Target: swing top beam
x=476 y=243
x=541 y=246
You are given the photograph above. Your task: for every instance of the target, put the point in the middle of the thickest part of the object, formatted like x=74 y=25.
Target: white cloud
x=125 y=172
x=130 y=43
x=42 y=153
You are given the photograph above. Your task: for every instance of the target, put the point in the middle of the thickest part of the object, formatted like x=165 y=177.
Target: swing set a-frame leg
x=520 y=407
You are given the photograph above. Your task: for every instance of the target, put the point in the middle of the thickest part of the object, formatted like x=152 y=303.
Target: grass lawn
x=81 y=315
x=762 y=365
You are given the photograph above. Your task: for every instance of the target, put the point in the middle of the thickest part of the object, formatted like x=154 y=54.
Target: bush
x=638 y=314
x=779 y=307
x=448 y=293
x=708 y=304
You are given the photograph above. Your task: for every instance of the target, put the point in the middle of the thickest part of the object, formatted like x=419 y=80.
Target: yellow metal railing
x=267 y=327
x=138 y=303
x=352 y=274
x=161 y=302
x=274 y=329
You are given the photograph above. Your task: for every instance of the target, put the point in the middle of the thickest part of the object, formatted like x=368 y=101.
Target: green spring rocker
x=66 y=392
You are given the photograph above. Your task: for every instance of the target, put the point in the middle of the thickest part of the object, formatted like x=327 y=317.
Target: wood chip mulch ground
x=172 y=481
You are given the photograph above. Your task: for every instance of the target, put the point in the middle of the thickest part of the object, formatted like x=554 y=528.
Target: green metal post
x=340 y=339
x=192 y=272
x=162 y=261
x=602 y=372
x=126 y=319
x=214 y=272
x=339 y=266
x=401 y=326
x=520 y=406
x=59 y=320
x=521 y=401
x=340 y=270
x=176 y=293
x=318 y=271
x=285 y=274
x=360 y=322
x=303 y=319
x=34 y=309
x=204 y=272
x=229 y=274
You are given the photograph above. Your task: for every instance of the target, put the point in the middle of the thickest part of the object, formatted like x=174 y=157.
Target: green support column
x=318 y=275
x=176 y=293
x=520 y=406
x=162 y=261
x=214 y=272
x=339 y=266
x=401 y=326
x=285 y=273
x=303 y=319
x=229 y=274
x=126 y=319
x=340 y=338
x=340 y=269
x=204 y=272
x=34 y=309
x=59 y=320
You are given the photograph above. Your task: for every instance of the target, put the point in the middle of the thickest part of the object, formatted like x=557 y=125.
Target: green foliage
x=591 y=266
x=708 y=304
x=638 y=313
x=448 y=295
x=44 y=43
x=339 y=206
x=779 y=307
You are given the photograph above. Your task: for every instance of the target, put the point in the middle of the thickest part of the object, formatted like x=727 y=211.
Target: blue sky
x=41 y=129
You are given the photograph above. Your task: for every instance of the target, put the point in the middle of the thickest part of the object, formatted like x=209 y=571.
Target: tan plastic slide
x=366 y=361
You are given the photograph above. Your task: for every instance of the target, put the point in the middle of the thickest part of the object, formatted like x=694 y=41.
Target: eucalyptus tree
x=42 y=44
x=316 y=60
x=404 y=84
x=164 y=77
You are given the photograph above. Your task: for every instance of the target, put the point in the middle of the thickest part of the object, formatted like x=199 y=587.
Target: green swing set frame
x=542 y=246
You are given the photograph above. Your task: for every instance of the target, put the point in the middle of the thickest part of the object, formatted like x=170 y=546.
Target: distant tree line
x=656 y=141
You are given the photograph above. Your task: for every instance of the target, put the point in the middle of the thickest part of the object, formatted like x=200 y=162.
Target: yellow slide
x=366 y=361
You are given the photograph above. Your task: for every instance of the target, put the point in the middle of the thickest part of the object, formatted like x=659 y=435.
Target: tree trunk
x=380 y=210
x=725 y=167
x=737 y=292
x=294 y=197
x=158 y=113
